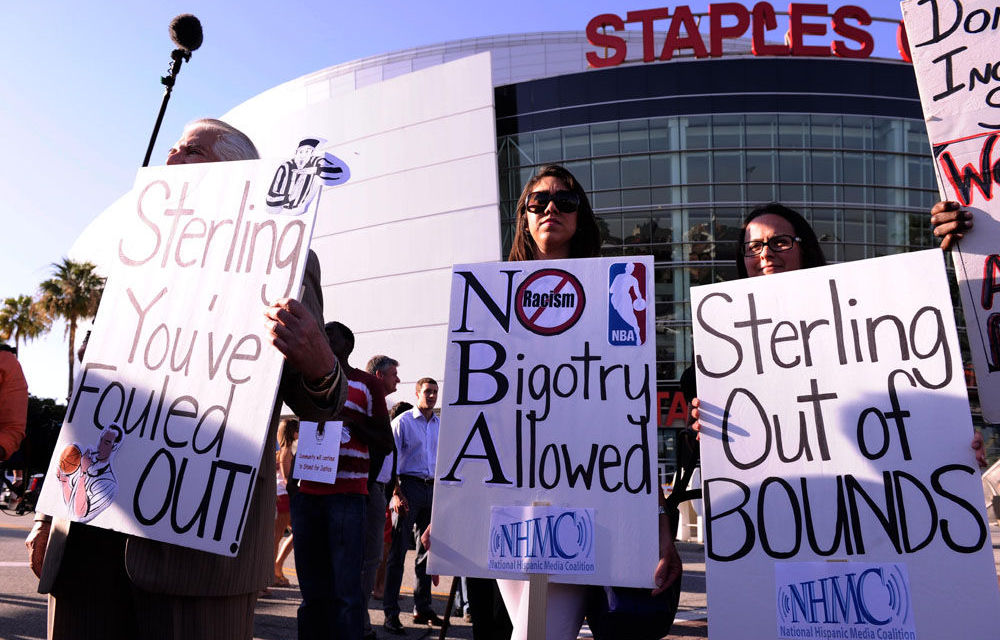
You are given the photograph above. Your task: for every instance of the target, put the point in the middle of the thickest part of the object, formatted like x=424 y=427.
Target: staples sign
x=730 y=20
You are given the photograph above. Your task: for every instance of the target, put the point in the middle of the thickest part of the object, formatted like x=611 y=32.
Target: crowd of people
x=379 y=505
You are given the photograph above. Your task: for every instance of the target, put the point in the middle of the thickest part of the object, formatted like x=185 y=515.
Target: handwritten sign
x=173 y=400
x=958 y=75
x=318 y=455
x=551 y=374
x=841 y=492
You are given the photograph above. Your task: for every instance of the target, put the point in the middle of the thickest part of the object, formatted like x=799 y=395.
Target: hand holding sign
x=295 y=333
x=950 y=222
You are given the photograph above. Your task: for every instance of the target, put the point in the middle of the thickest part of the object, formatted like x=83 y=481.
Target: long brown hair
x=585 y=243
x=288 y=431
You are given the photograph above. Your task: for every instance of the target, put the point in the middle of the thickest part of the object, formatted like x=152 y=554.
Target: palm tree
x=22 y=318
x=73 y=293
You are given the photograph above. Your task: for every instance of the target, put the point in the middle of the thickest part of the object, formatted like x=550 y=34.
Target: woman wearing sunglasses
x=555 y=221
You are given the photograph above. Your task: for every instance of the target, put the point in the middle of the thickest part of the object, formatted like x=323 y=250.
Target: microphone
x=186 y=34
x=185 y=31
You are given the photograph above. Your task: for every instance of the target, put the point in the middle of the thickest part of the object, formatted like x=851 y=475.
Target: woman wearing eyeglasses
x=776 y=239
x=555 y=221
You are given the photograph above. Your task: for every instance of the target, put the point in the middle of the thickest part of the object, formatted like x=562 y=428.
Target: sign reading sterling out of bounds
x=842 y=497
x=170 y=410
x=954 y=56
x=547 y=455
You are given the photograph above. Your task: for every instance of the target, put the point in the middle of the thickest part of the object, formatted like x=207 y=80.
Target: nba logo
x=627 y=304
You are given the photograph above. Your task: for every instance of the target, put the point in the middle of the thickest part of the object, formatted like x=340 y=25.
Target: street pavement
x=22 y=609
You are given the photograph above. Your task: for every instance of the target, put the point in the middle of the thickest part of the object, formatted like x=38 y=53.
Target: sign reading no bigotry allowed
x=547 y=456
x=841 y=495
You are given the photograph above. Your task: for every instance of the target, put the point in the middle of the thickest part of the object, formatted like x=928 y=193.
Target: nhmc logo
x=542 y=539
x=858 y=594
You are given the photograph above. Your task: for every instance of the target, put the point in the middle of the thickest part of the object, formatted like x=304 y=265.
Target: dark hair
x=342 y=331
x=585 y=243
x=812 y=254
x=379 y=364
x=398 y=408
x=117 y=430
x=421 y=382
x=288 y=430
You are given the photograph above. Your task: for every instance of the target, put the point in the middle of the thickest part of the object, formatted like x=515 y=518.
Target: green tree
x=23 y=319
x=73 y=294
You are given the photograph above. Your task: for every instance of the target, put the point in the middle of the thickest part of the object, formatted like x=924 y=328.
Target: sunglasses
x=565 y=201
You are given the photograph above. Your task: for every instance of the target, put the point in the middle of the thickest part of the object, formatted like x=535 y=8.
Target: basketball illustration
x=69 y=459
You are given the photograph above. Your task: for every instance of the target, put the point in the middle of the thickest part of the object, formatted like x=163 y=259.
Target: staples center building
x=677 y=126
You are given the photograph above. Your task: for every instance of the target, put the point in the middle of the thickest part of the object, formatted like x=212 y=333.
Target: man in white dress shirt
x=416 y=435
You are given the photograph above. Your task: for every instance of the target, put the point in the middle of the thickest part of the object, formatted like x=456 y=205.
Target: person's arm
x=950 y=222
x=398 y=504
x=13 y=404
x=81 y=501
x=285 y=458
x=312 y=382
x=37 y=541
x=669 y=568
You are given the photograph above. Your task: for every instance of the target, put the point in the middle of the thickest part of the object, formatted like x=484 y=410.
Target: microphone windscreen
x=185 y=31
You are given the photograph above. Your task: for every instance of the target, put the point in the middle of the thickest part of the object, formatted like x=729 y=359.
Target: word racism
x=730 y=20
x=194 y=243
x=537 y=386
x=830 y=339
x=950 y=22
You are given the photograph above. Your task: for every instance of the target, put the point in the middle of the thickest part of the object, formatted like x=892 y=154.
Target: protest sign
x=318 y=454
x=170 y=410
x=957 y=75
x=546 y=460
x=842 y=497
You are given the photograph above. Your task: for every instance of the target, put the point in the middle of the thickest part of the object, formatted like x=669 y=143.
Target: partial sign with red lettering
x=952 y=44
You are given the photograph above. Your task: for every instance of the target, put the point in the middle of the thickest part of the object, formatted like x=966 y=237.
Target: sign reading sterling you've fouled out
x=842 y=498
x=547 y=456
x=170 y=410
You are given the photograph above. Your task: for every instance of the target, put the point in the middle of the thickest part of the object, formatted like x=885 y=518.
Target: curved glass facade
x=841 y=142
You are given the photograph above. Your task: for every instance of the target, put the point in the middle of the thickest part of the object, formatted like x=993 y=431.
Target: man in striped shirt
x=328 y=519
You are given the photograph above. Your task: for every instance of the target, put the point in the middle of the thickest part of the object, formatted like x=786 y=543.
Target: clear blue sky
x=81 y=89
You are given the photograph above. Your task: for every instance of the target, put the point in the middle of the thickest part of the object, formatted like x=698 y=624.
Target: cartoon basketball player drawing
x=623 y=302
x=88 y=481
x=297 y=181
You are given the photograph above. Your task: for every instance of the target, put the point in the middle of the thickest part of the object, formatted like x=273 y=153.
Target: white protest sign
x=318 y=454
x=170 y=410
x=954 y=57
x=551 y=371
x=836 y=430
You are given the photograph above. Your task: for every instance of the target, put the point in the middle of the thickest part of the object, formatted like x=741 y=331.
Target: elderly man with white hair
x=166 y=591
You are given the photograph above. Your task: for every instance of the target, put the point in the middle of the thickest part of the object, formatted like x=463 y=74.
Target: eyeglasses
x=774 y=243
x=565 y=201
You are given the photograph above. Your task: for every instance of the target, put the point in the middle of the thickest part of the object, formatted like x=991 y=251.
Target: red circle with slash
x=549 y=302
